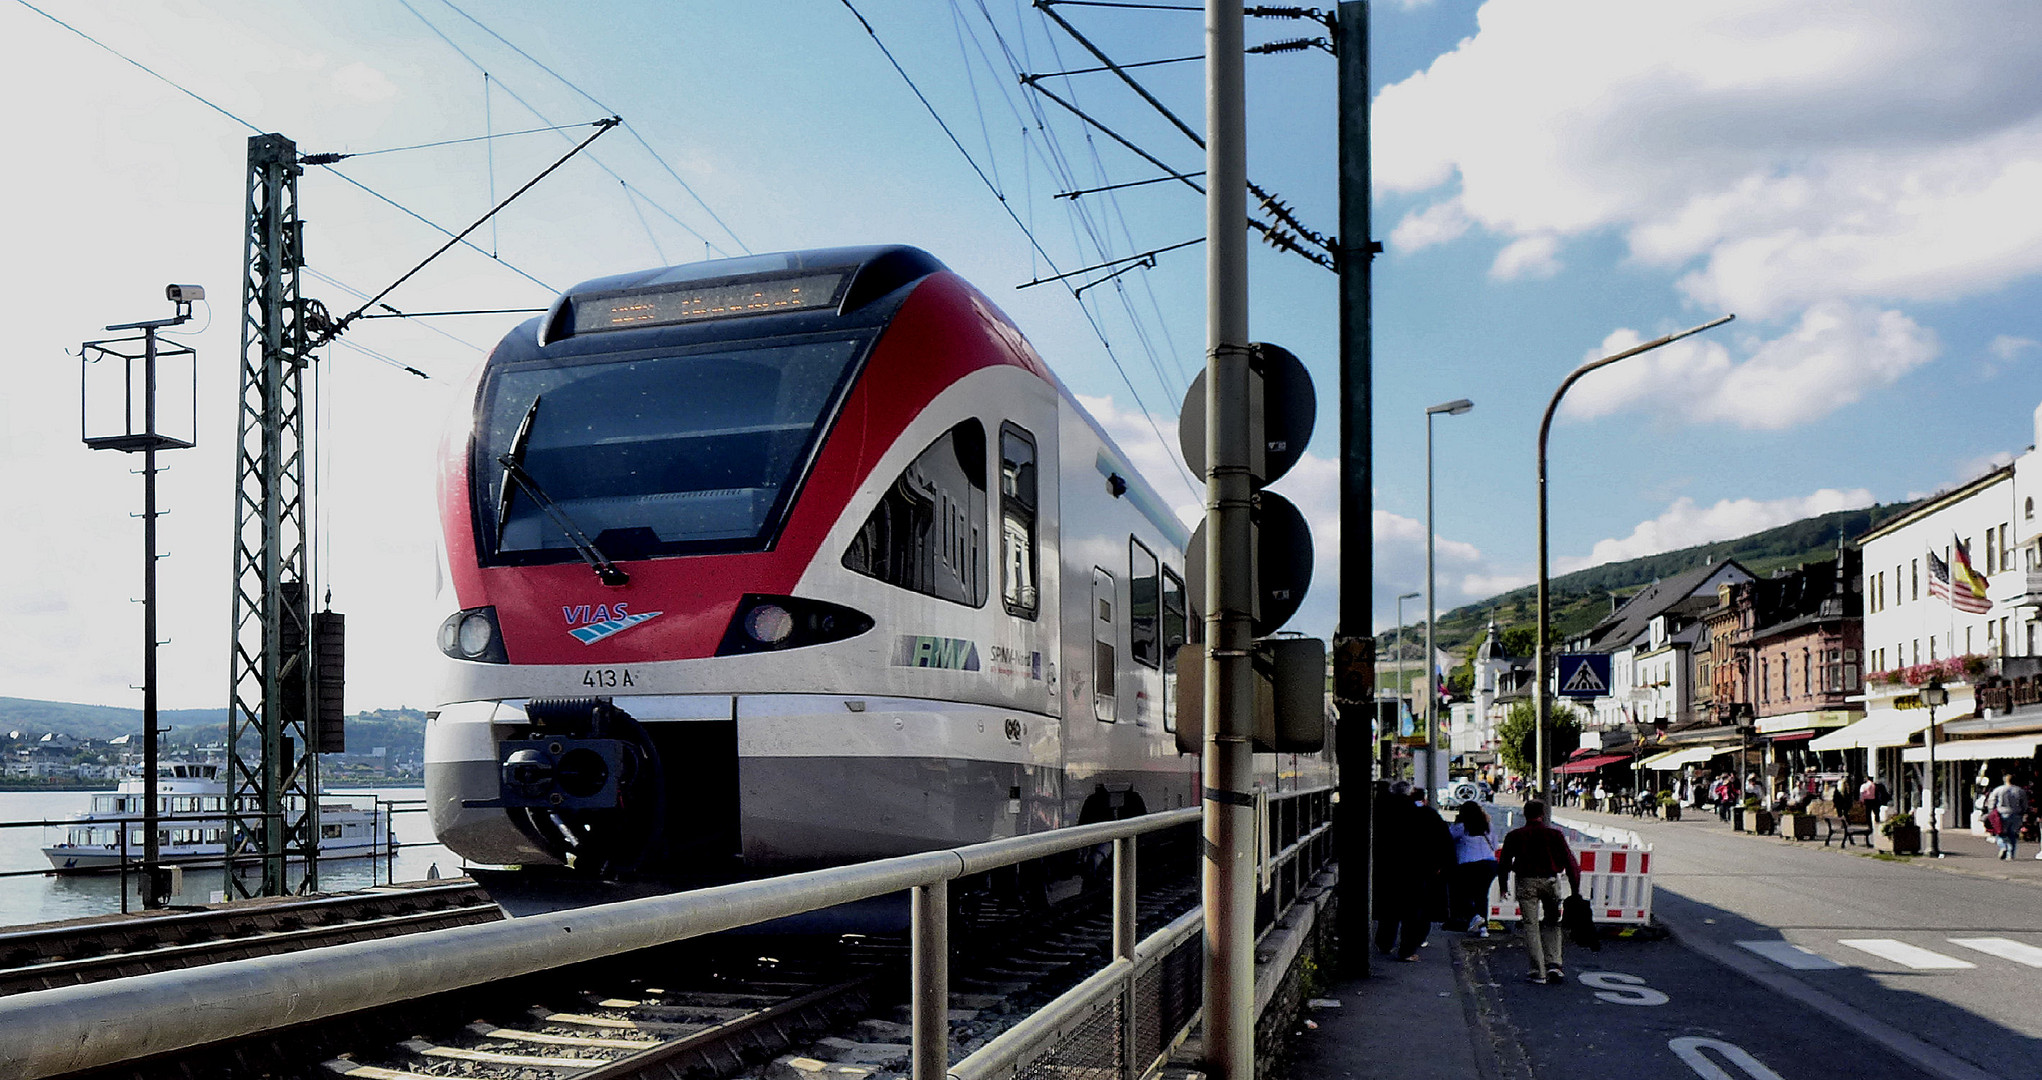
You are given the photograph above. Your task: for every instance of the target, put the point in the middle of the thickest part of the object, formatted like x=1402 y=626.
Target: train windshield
x=652 y=454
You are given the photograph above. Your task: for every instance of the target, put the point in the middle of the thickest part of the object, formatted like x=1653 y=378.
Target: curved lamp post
x=1432 y=778
x=1539 y=763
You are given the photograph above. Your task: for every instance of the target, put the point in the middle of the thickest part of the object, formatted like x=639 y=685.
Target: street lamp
x=1539 y=762
x=1400 y=648
x=1932 y=696
x=1433 y=781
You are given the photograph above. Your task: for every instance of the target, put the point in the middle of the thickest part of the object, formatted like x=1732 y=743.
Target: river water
x=37 y=897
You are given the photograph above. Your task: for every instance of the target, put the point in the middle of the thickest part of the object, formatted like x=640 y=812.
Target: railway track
x=66 y=954
x=830 y=1010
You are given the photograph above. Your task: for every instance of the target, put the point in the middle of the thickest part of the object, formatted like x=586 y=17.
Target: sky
x=1554 y=181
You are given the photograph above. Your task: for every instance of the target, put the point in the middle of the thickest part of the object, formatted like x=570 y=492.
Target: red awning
x=1797 y=736
x=1590 y=764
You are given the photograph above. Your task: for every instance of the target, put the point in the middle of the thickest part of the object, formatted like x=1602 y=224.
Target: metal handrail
x=74 y=1028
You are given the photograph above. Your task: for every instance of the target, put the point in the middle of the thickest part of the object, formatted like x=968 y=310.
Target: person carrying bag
x=1536 y=854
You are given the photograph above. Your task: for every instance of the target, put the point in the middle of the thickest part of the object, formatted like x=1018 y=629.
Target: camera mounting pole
x=141 y=429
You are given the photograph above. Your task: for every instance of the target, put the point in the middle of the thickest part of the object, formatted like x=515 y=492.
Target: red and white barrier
x=1616 y=875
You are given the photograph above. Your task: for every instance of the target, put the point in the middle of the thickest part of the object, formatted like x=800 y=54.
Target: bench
x=1855 y=823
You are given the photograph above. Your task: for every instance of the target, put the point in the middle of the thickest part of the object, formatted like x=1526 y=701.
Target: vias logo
x=592 y=623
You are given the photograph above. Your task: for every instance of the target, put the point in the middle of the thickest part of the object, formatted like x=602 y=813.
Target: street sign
x=1584 y=675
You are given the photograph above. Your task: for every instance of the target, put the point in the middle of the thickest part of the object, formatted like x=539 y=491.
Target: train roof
x=869 y=272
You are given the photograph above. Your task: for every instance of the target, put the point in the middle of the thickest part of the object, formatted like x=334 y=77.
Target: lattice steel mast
x=273 y=808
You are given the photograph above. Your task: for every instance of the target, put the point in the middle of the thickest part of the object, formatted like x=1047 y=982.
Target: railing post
x=931 y=974
x=124 y=865
x=1125 y=937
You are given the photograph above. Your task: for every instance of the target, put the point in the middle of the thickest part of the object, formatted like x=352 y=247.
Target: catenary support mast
x=273 y=811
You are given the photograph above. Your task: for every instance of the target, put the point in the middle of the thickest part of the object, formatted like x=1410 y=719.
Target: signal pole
x=1229 y=875
x=1354 y=641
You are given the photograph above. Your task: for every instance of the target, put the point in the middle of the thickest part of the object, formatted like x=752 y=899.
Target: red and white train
x=793 y=560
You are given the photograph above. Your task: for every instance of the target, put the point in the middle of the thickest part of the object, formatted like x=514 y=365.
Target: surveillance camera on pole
x=119 y=409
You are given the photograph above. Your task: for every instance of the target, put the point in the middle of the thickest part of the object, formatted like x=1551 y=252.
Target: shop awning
x=1887 y=727
x=1674 y=759
x=1799 y=721
x=2020 y=746
x=1590 y=764
x=1791 y=736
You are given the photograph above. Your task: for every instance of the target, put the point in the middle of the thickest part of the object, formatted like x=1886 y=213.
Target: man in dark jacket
x=1412 y=851
x=1537 y=854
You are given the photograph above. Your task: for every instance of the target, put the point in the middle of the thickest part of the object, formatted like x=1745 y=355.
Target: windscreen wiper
x=512 y=460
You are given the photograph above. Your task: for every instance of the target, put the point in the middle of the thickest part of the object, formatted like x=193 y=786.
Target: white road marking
x=1900 y=952
x=1618 y=988
x=1789 y=955
x=2004 y=948
x=1689 y=1050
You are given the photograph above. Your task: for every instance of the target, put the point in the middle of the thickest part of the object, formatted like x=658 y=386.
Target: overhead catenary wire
x=343 y=156
x=535 y=111
x=657 y=157
x=341 y=325
x=991 y=186
x=223 y=111
x=159 y=76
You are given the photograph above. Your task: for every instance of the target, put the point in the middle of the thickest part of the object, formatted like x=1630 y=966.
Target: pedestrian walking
x=1873 y=796
x=2008 y=805
x=1536 y=854
x=1474 y=868
x=1412 y=852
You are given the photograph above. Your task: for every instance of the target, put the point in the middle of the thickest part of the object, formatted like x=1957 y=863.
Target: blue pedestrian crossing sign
x=1584 y=675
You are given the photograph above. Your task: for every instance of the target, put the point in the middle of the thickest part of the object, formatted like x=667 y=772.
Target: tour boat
x=191 y=799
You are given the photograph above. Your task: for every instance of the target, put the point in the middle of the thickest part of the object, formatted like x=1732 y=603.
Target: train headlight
x=772 y=623
x=473 y=635
x=768 y=624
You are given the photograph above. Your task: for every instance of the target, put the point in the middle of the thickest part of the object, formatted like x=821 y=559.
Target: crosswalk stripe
x=2004 y=948
x=1787 y=954
x=1900 y=952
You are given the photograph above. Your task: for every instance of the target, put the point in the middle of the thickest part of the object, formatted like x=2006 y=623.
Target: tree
x=1515 y=737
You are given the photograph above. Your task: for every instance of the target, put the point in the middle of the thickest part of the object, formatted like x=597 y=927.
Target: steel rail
x=260 y=939
x=74 y=1028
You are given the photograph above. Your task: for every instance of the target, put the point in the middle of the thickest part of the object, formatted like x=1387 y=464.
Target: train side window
x=1104 y=705
x=1018 y=589
x=1174 y=629
x=928 y=532
x=1143 y=604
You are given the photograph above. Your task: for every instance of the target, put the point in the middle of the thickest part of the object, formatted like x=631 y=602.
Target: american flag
x=1967 y=594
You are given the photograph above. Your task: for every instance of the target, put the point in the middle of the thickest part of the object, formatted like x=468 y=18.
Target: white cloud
x=1685 y=524
x=2005 y=351
x=1440 y=223
x=1781 y=153
x=1529 y=257
x=1834 y=355
x=2008 y=347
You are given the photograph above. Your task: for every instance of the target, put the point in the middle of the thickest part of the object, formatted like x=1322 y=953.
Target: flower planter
x=1670 y=811
x=1797 y=826
x=1762 y=822
x=1903 y=840
x=1740 y=819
